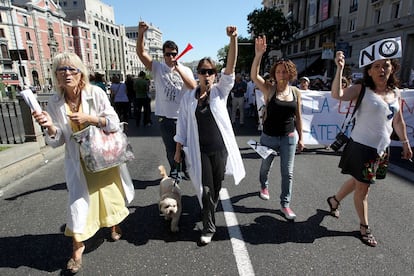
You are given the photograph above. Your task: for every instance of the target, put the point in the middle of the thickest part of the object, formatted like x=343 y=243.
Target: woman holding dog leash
x=366 y=152
x=205 y=133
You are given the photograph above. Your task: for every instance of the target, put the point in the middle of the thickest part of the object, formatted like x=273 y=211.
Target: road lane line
x=240 y=252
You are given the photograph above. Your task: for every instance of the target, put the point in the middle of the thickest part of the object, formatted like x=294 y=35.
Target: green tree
x=245 y=55
x=272 y=23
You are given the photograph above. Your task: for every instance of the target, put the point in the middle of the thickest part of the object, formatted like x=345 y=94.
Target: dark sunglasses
x=203 y=71
x=170 y=54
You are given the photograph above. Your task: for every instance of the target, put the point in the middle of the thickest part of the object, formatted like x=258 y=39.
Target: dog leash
x=175 y=174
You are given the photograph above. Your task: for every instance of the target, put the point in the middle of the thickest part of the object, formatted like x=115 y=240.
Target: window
x=4 y=51
x=51 y=33
x=377 y=16
x=28 y=36
x=25 y=22
x=68 y=31
x=312 y=42
x=31 y=53
x=2 y=33
x=351 y=27
x=395 y=10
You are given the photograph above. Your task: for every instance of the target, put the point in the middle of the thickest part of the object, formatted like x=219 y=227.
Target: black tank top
x=280 y=117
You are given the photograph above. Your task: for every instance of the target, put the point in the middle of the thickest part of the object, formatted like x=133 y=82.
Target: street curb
x=23 y=159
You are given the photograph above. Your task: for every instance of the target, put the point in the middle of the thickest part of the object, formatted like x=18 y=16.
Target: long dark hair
x=393 y=81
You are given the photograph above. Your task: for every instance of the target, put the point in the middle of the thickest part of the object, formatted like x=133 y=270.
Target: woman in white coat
x=205 y=133
x=95 y=199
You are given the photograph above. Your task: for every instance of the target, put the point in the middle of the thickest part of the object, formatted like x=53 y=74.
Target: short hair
x=141 y=74
x=74 y=60
x=170 y=45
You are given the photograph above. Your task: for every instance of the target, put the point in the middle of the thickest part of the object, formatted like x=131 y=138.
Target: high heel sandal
x=75 y=265
x=367 y=238
x=116 y=233
x=334 y=211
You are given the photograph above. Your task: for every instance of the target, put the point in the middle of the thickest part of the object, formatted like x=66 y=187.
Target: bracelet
x=405 y=142
x=99 y=122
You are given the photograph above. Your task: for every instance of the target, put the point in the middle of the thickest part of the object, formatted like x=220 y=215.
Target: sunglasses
x=203 y=71
x=71 y=70
x=170 y=54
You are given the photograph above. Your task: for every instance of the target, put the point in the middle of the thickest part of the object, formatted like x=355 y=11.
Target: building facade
x=349 y=25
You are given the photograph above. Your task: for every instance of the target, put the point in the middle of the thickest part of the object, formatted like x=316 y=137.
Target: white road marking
x=241 y=255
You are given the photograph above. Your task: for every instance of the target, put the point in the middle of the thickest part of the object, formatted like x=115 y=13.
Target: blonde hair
x=74 y=60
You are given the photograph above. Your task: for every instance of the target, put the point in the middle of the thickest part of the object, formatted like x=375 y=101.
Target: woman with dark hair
x=283 y=116
x=99 y=199
x=205 y=134
x=365 y=156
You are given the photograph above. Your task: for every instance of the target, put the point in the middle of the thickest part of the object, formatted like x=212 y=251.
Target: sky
x=201 y=23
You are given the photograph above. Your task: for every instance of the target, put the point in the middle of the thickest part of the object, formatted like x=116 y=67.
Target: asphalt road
x=252 y=236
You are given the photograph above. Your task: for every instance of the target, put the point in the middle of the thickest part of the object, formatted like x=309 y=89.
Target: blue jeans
x=286 y=146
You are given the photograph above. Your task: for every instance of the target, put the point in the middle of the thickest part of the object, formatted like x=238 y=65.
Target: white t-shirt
x=373 y=125
x=169 y=89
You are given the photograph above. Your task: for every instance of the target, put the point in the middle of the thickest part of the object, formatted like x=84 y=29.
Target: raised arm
x=337 y=92
x=145 y=58
x=232 y=54
x=260 y=49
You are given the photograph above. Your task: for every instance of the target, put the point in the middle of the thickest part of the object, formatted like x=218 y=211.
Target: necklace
x=73 y=103
x=283 y=94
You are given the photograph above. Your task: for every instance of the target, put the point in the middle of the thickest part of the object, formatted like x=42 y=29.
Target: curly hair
x=393 y=81
x=290 y=68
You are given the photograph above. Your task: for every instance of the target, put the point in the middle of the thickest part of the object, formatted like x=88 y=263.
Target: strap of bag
x=357 y=104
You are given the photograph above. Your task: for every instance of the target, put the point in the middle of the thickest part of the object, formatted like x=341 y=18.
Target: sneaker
x=264 y=194
x=288 y=213
x=206 y=238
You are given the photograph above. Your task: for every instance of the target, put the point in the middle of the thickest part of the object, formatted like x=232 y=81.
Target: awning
x=302 y=63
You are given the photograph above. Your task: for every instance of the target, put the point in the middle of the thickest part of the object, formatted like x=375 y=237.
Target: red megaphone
x=188 y=48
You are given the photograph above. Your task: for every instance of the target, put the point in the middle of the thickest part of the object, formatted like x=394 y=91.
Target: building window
x=4 y=51
x=312 y=42
x=377 y=16
x=395 y=10
x=303 y=45
x=25 y=22
x=351 y=25
x=51 y=34
x=68 y=31
x=28 y=36
x=1 y=19
x=75 y=3
x=31 y=53
x=86 y=34
x=2 y=33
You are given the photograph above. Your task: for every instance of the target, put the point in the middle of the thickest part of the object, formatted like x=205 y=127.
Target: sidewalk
x=21 y=159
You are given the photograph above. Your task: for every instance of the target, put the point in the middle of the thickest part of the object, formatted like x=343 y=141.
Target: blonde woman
x=95 y=199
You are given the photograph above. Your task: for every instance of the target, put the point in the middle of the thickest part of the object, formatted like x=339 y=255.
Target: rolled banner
x=31 y=100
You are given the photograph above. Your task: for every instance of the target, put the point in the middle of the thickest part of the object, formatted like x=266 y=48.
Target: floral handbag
x=101 y=150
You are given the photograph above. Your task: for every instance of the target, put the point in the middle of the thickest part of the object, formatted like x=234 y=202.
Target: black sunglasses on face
x=170 y=54
x=71 y=70
x=203 y=71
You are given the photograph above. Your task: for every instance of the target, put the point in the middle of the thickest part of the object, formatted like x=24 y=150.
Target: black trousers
x=213 y=166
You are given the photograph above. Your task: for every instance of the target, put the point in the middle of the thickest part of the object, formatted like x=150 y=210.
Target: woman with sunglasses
x=205 y=133
x=98 y=199
x=365 y=156
x=283 y=116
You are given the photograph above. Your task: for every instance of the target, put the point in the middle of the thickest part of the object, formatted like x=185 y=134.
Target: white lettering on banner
x=383 y=49
x=322 y=116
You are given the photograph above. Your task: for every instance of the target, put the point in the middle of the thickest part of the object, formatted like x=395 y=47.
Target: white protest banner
x=383 y=49
x=322 y=116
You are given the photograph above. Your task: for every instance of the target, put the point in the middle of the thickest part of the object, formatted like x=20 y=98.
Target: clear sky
x=201 y=23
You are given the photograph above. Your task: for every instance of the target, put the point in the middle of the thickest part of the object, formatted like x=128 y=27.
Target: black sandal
x=368 y=238
x=334 y=211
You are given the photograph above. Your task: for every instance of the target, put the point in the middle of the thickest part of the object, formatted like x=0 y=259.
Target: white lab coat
x=187 y=133
x=95 y=101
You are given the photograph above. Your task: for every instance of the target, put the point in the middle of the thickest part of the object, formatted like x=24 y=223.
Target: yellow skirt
x=107 y=205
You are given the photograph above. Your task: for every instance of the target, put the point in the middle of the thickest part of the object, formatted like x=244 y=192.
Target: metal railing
x=11 y=124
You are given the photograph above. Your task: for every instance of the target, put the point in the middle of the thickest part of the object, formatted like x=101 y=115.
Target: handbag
x=102 y=150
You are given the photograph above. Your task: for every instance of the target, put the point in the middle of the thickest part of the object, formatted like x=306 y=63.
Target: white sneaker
x=206 y=238
x=264 y=194
x=288 y=213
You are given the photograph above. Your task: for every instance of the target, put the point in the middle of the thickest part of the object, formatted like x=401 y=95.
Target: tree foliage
x=245 y=55
x=272 y=23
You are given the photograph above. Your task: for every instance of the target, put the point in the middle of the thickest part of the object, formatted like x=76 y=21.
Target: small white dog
x=170 y=199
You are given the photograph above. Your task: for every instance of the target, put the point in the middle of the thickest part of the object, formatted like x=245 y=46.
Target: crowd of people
x=196 y=127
